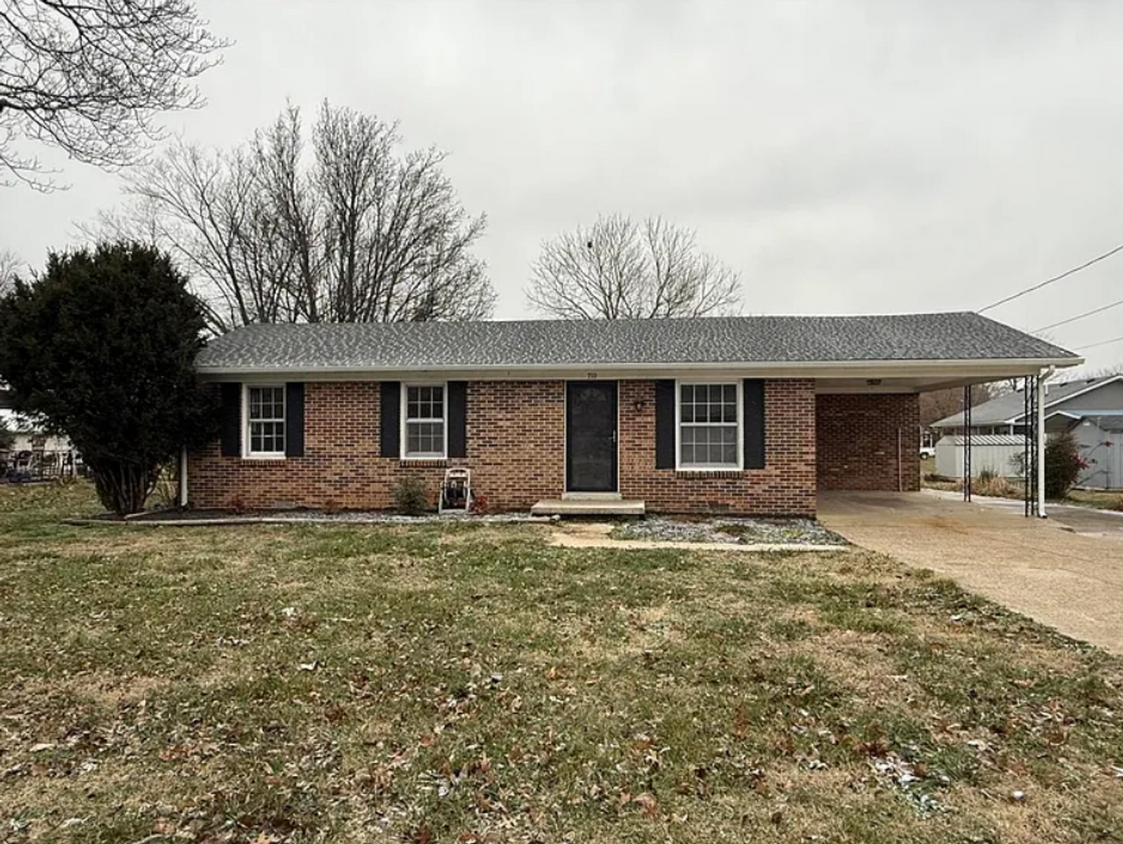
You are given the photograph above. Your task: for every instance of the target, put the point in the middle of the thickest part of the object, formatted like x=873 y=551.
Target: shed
x=999 y=454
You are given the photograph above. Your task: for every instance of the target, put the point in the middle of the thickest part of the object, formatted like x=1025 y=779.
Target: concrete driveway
x=1065 y=571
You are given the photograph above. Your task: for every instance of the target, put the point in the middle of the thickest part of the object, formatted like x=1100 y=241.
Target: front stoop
x=588 y=507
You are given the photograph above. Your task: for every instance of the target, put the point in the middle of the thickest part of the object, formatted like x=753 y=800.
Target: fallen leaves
x=643 y=801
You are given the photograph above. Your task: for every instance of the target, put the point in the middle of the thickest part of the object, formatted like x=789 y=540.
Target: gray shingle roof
x=547 y=343
x=1011 y=406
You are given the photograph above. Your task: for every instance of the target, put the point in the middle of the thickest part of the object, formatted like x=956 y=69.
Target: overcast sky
x=845 y=157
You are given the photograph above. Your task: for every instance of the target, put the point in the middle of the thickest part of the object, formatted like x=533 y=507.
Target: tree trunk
x=123 y=488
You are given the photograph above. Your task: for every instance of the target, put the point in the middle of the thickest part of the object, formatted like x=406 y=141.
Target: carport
x=868 y=428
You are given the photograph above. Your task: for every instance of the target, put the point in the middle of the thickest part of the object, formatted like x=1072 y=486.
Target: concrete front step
x=587 y=507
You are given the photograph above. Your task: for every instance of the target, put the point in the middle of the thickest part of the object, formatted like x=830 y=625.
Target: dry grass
x=1004 y=488
x=1099 y=499
x=464 y=683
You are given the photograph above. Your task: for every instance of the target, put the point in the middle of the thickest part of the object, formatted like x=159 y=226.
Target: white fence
x=999 y=454
x=24 y=466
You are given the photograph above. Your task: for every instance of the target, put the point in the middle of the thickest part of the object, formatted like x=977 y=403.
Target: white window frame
x=403 y=430
x=246 y=439
x=740 y=409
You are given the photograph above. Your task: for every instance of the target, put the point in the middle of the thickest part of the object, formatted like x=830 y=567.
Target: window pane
x=425 y=403
x=266 y=403
x=708 y=445
x=425 y=438
x=267 y=437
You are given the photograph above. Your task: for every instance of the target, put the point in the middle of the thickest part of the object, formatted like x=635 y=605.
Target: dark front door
x=590 y=418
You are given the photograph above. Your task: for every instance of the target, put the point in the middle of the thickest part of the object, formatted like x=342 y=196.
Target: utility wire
x=1101 y=343
x=1049 y=281
x=1080 y=316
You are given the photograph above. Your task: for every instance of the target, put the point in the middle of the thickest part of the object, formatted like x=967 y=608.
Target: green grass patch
x=469 y=682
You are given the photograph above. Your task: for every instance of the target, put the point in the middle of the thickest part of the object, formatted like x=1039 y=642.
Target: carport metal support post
x=967 y=443
x=1040 y=422
x=1029 y=436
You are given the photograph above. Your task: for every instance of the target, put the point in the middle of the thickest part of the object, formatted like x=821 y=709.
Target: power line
x=1049 y=281
x=1081 y=316
x=1101 y=343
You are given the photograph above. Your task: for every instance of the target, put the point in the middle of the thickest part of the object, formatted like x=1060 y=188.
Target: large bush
x=1063 y=464
x=101 y=346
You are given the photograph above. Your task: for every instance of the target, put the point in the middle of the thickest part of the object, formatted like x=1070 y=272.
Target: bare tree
x=346 y=231
x=619 y=269
x=397 y=238
x=89 y=77
x=939 y=404
x=10 y=265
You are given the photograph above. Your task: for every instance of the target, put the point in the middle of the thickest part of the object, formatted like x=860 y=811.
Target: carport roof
x=545 y=345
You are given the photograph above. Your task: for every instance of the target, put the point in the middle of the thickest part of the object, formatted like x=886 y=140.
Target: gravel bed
x=363 y=516
x=735 y=531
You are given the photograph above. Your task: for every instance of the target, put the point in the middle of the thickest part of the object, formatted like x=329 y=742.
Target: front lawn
x=470 y=683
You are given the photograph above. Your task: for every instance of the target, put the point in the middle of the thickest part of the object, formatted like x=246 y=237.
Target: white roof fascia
x=1000 y=367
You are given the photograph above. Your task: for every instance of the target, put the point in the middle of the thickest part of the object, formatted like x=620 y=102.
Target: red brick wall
x=516 y=448
x=857 y=441
x=514 y=433
x=785 y=486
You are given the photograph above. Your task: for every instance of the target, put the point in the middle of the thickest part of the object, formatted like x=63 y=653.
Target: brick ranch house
x=746 y=415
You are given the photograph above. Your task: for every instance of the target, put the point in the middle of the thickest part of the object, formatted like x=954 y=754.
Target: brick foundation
x=856 y=441
x=516 y=450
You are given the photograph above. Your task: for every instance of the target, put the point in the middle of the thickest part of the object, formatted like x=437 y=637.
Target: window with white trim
x=265 y=421
x=423 y=436
x=709 y=426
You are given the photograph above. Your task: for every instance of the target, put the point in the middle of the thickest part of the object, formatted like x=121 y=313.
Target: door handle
x=614 y=437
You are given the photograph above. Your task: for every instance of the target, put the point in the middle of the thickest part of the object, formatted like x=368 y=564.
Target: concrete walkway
x=1065 y=571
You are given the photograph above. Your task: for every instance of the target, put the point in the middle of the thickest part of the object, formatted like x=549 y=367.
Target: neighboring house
x=34 y=454
x=28 y=437
x=1091 y=408
x=748 y=415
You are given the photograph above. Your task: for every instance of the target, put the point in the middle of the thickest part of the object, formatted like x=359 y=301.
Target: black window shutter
x=294 y=419
x=665 y=424
x=231 y=413
x=391 y=413
x=752 y=394
x=457 y=418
